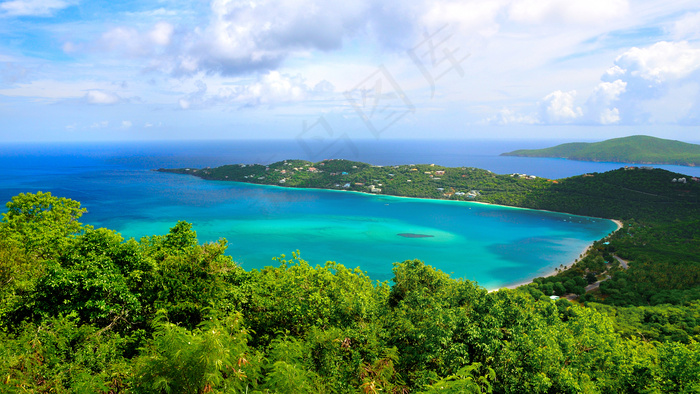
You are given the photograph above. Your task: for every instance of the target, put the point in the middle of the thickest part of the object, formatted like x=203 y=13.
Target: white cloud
x=184 y=104
x=241 y=37
x=257 y=35
x=559 y=107
x=607 y=92
x=134 y=43
x=687 y=27
x=125 y=39
x=472 y=16
x=161 y=34
x=599 y=107
x=660 y=62
x=90 y=90
x=101 y=97
x=661 y=79
x=33 y=7
x=274 y=88
x=70 y=47
x=488 y=17
x=507 y=116
x=655 y=84
x=268 y=89
x=156 y=13
x=609 y=116
x=583 y=12
x=100 y=125
x=196 y=98
x=614 y=73
x=126 y=124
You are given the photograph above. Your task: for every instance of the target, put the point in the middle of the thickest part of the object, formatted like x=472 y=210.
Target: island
x=638 y=149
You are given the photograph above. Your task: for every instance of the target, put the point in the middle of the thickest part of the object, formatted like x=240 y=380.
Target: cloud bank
x=43 y=8
x=659 y=83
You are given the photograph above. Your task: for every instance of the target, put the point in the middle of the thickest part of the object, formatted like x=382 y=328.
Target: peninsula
x=639 y=149
x=626 y=193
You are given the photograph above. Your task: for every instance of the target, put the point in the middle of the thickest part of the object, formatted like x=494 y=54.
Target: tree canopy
x=84 y=310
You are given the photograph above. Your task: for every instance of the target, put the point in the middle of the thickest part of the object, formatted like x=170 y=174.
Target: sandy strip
x=554 y=270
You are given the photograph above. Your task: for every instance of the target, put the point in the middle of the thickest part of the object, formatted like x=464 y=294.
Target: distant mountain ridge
x=640 y=149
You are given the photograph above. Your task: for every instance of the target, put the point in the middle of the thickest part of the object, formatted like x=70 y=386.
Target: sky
x=77 y=70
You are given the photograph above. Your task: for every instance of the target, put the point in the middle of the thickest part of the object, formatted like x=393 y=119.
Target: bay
x=493 y=245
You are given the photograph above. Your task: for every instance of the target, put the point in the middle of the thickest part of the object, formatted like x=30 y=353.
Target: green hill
x=634 y=149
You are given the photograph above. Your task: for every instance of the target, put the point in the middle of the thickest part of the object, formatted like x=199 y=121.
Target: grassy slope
x=634 y=149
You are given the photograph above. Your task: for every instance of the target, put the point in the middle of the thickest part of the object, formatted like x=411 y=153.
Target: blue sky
x=73 y=70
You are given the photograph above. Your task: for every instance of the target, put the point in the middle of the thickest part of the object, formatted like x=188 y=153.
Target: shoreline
x=402 y=197
x=554 y=272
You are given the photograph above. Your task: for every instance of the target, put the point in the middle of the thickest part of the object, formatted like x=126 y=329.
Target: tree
x=466 y=380
x=559 y=289
x=42 y=223
x=591 y=278
x=88 y=280
x=214 y=356
x=35 y=228
x=181 y=237
x=427 y=312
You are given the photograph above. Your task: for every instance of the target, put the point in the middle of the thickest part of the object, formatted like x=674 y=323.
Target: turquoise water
x=492 y=245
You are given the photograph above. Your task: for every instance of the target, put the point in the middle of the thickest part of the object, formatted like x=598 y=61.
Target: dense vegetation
x=83 y=310
x=633 y=149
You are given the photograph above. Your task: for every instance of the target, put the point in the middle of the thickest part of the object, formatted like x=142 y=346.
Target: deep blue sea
x=492 y=245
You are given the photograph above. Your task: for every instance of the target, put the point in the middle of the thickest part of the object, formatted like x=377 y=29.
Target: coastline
x=553 y=271
x=440 y=200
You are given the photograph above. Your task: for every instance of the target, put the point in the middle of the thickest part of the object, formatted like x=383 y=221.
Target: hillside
x=634 y=149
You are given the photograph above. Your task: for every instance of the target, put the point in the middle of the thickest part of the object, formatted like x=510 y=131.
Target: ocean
x=492 y=245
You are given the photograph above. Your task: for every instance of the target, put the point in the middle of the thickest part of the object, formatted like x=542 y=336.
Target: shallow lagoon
x=490 y=244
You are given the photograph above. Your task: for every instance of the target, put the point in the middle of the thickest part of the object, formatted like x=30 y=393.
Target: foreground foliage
x=83 y=310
